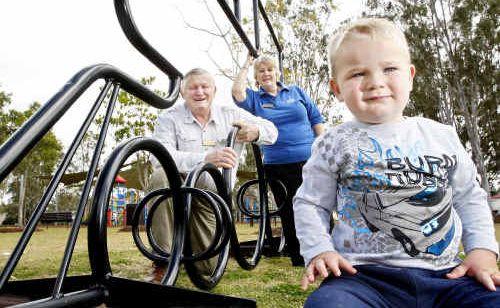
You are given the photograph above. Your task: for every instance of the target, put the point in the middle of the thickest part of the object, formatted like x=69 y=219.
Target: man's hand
x=247 y=132
x=222 y=158
x=480 y=264
x=324 y=263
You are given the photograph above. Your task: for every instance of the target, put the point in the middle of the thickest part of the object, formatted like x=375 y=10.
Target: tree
x=133 y=117
x=30 y=175
x=5 y=101
x=454 y=45
x=303 y=28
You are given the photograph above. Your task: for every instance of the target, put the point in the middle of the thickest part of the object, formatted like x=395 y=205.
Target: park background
x=454 y=46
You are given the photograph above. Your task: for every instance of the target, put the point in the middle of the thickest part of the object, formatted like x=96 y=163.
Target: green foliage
x=35 y=166
x=302 y=27
x=133 y=117
x=67 y=198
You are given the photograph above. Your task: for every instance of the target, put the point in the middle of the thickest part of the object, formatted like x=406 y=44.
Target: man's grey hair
x=195 y=72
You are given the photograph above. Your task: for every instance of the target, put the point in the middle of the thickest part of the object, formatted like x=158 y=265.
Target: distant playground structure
x=124 y=200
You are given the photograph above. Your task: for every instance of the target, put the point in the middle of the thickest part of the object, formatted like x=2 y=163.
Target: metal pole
x=87 y=186
x=237 y=12
x=256 y=23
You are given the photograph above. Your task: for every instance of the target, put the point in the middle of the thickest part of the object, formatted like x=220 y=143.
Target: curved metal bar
x=227 y=173
x=132 y=33
x=214 y=247
x=221 y=236
x=239 y=198
x=270 y=27
x=264 y=221
x=227 y=218
x=97 y=239
x=149 y=223
x=234 y=18
x=218 y=246
x=211 y=250
x=264 y=207
x=274 y=37
x=32 y=131
x=199 y=280
x=241 y=194
x=51 y=188
x=236 y=24
x=255 y=3
x=158 y=254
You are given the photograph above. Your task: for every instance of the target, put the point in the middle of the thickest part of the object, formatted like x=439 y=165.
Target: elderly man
x=193 y=132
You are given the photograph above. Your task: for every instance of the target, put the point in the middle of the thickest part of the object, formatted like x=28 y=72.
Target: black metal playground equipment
x=101 y=287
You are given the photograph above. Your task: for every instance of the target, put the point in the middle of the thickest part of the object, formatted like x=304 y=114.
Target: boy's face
x=374 y=78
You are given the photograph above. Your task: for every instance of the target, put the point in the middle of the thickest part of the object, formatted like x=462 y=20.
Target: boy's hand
x=323 y=263
x=480 y=264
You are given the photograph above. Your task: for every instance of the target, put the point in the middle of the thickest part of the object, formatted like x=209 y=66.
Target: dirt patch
x=13 y=229
x=129 y=229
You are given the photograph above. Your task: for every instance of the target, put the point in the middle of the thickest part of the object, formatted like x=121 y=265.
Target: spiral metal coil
x=224 y=238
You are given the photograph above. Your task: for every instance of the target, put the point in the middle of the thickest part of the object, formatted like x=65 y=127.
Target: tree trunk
x=470 y=114
x=22 y=193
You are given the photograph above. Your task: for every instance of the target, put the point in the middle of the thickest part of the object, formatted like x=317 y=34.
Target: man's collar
x=189 y=117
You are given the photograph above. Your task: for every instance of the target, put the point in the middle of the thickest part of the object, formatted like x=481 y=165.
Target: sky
x=44 y=43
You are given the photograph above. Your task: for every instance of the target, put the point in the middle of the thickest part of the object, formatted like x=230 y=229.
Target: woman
x=298 y=121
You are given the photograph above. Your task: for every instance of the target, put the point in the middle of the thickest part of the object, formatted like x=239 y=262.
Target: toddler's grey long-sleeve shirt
x=405 y=193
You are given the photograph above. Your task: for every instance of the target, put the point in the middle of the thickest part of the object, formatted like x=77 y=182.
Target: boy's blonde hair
x=375 y=28
x=268 y=60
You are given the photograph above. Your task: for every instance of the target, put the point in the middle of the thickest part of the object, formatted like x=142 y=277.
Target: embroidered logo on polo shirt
x=268 y=105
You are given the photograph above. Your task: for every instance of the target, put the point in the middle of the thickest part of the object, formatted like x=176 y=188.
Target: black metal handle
x=132 y=33
x=97 y=240
x=32 y=131
x=234 y=18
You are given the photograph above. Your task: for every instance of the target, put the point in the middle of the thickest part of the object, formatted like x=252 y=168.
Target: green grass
x=274 y=283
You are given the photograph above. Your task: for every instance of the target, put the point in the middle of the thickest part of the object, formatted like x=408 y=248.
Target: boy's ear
x=413 y=70
x=336 y=89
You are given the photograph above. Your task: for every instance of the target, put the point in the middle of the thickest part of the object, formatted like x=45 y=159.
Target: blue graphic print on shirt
x=402 y=193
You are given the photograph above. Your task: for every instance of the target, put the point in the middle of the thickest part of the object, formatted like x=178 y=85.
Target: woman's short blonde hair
x=375 y=28
x=267 y=60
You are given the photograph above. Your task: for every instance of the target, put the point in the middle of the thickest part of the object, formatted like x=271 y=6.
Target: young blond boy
x=404 y=189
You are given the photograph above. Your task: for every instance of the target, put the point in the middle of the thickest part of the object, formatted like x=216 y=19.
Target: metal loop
x=160 y=255
x=241 y=194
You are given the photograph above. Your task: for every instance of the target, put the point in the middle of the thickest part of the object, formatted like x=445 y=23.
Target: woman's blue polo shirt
x=293 y=112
